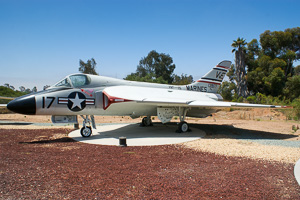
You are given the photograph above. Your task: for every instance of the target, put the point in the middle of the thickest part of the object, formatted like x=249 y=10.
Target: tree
x=270 y=62
x=275 y=82
x=8 y=92
x=147 y=78
x=7 y=85
x=182 y=80
x=255 y=81
x=297 y=70
x=89 y=67
x=295 y=44
x=283 y=45
x=239 y=49
x=227 y=90
x=289 y=57
x=291 y=90
x=231 y=74
x=27 y=91
x=252 y=53
x=34 y=89
x=22 y=88
x=155 y=66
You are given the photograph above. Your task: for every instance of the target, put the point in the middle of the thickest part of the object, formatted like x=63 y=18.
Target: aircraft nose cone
x=23 y=105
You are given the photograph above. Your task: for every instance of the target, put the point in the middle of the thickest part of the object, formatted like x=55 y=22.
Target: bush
x=4 y=101
x=240 y=99
x=296 y=108
x=261 y=98
x=7 y=92
x=251 y=99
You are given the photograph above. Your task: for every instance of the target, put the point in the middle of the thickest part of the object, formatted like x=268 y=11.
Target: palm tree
x=239 y=49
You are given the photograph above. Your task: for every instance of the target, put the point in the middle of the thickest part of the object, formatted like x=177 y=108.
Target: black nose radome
x=23 y=105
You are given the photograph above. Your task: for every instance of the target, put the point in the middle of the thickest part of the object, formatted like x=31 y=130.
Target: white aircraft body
x=88 y=95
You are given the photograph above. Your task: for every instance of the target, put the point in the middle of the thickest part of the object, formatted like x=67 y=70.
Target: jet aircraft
x=88 y=95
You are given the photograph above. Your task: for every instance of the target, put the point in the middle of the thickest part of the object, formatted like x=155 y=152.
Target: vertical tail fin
x=211 y=81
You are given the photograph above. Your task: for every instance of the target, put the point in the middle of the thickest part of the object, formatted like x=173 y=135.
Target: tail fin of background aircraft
x=211 y=81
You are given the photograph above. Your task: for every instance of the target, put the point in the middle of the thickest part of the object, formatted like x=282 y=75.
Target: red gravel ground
x=39 y=164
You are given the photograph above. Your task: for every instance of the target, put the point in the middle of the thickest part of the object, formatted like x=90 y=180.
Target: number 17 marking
x=51 y=102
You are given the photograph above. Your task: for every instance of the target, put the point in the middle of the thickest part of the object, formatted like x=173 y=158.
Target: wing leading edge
x=163 y=97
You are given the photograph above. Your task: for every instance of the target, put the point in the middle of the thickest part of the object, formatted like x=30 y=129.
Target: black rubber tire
x=183 y=127
x=146 y=122
x=86 y=131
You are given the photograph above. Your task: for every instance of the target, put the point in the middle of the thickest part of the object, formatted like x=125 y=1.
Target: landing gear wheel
x=183 y=127
x=86 y=131
x=146 y=121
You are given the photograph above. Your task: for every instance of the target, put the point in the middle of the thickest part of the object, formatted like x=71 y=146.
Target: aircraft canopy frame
x=74 y=81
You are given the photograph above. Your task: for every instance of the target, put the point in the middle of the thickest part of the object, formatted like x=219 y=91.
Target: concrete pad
x=158 y=134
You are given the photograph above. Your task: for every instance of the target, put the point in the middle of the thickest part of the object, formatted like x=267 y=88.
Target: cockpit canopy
x=74 y=81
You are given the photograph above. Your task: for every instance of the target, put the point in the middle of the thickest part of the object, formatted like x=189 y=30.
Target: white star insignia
x=77 y=102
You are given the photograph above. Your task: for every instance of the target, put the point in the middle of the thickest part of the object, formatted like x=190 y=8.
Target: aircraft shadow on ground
x=15 y=123
x=229 y=131
x=134 y=131
x=169 y=130
x=58 y=140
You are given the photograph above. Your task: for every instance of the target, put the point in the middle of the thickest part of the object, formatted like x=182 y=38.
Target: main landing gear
x=86 y=130
x=147 y=121
x=165 y=115
x=183 y=126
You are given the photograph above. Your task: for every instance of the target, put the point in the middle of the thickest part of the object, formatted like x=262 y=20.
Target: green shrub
x=296 y=107
x=251 y=99
x=261 y=98
x=240 y=99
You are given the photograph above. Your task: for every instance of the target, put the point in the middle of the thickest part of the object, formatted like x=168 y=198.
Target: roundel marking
x=76 y=101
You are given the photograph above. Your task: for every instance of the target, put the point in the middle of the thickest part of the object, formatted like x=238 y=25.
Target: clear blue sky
x=41 y=41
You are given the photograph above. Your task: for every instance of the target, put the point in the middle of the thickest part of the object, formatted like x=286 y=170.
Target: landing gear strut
x=86 y=130
x=183 y=126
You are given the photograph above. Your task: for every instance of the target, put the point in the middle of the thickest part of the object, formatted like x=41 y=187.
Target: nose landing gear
x=86 y=130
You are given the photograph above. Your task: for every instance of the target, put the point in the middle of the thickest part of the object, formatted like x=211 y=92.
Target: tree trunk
x=242 y=89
